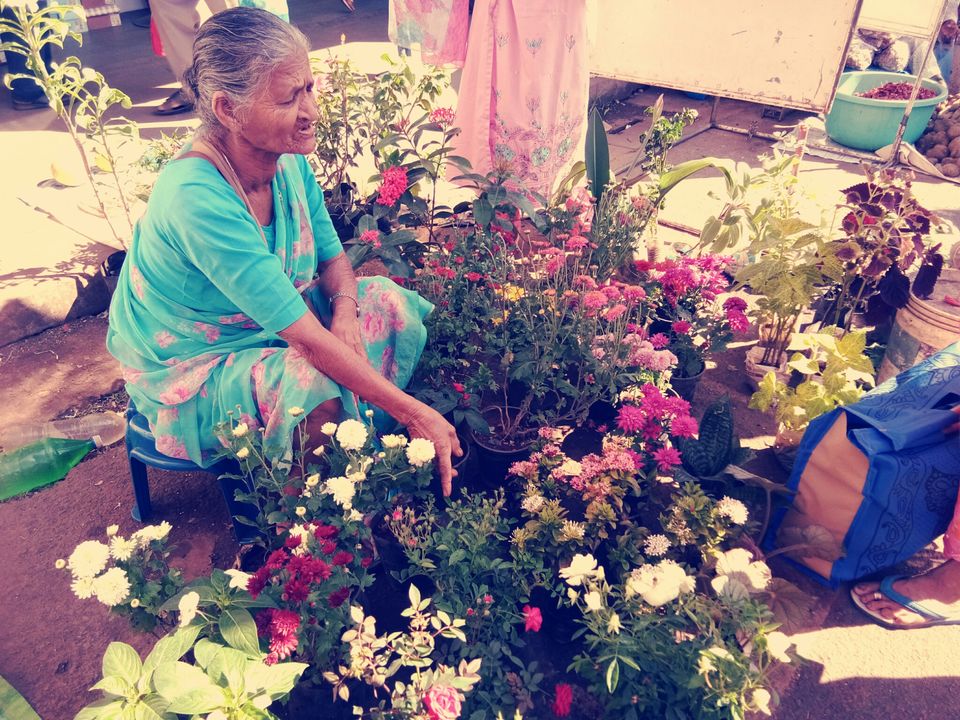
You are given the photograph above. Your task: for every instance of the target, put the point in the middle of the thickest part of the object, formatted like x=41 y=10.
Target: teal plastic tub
x=867 y=124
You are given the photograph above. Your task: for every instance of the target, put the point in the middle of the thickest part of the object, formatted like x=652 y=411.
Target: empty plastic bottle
x=108 y=426
x=39 y=464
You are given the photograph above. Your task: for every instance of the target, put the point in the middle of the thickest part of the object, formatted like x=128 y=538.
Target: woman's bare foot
x=937 y=590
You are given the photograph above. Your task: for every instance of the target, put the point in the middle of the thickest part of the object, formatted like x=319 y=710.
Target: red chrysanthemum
x=337 y=597
x=325 y=532
x=342 y=558
x=296 y=591
x=258 y=581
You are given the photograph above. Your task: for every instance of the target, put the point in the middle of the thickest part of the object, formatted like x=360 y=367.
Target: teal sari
x=204 y=293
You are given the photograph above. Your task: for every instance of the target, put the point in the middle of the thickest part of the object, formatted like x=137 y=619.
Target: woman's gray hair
x=236 y=52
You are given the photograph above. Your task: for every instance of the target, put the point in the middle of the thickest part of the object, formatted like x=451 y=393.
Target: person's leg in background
x=27 y=94
x=177 y=22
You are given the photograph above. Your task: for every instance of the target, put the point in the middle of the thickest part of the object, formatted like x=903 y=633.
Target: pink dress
x=523 y=96
x=439 y=27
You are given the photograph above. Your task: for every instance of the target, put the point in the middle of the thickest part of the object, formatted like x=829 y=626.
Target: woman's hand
x=956 y=426
x=345 y=326
x=425 y=422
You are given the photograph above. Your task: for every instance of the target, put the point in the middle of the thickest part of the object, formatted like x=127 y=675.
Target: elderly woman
x=210 y=315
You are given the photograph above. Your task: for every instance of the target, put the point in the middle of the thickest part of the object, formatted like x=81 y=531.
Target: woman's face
x=283 y=119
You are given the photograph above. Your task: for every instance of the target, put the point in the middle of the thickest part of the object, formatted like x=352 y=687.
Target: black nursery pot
x=686 y=387
x=493 y=463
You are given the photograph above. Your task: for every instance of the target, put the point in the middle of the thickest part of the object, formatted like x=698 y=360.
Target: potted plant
x=884 y=236
x=834 y=371
x=686 y=315
x=787 y=261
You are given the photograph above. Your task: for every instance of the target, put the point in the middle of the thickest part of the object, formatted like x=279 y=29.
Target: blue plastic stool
x=142 y=451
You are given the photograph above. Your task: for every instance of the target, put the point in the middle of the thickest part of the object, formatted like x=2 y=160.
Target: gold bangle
x=338 y=295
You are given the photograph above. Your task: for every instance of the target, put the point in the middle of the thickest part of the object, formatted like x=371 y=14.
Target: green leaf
x=239 y=630
x=113 y=685
x=597 y=154
x=789 y=604
x=681 y=172
x=187 y=688
x=274 y=681
x=613 y=675
x=170 y=648
x=101 y=710
x=122 y=661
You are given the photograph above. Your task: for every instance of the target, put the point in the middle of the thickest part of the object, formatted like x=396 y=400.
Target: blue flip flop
x=886 y=589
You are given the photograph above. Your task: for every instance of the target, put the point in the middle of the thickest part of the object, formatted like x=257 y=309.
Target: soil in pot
x=386 y=598
x=496 y=453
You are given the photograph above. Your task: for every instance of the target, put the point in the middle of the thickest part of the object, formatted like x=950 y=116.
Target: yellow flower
x=135 y=603
x=243 y=453
x=313 y=480
x=60 y=564
x=240 y=430
x=300 y=511
x=112 y=530
x=512 y=293
x=295 y=411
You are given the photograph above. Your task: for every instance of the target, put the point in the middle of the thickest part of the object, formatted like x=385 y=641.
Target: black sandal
x=174 y=105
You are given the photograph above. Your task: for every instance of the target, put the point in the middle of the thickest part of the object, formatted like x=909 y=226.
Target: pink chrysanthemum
x=631 y=419
x=659 y=341
x=683 y=426
x=667 y=458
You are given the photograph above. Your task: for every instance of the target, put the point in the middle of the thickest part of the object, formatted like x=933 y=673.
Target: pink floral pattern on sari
x=529 y=58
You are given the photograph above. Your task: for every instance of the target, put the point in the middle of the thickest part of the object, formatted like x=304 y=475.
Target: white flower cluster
x=656 y=545
x=533 y=503
x=343 y=491
x=88 y=564
x=732 y=509
x=420 y=451
x=580 y=569
x=393 y=441
x=352 y=435
x=739 y=575
x=659 y=584
x=572 y=531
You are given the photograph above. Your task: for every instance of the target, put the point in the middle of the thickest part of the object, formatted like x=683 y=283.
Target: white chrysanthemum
x=352 y=435
x=319 y=450
x=88 y=559
x=420 y=451
x=343 y=490
x=238 y=578
x=533 y=503
x=572 y=530
x=121 y=548
x=328 y=428
x=243 y=453
x=135 y=603
x=393 y=441
x=303 y=532
x=149 y=533
x=656 y=545
x=312 y=480
x=732 y=509
x=659 y=584
x=113 y=587
x=579 y=569
x=295 y=411
x=82 y=587
x=593 y=601
x=188 y=608
x=240 y=429
x=355 y=515
x=571 y=468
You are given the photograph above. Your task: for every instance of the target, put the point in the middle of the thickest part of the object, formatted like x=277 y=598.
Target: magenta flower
x=667 y=458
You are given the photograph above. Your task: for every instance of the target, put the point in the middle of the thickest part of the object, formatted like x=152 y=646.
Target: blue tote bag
x=879 y=475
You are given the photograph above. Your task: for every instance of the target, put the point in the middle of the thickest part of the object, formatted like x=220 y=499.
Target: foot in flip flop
x=900 y=602
x=173 y=105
